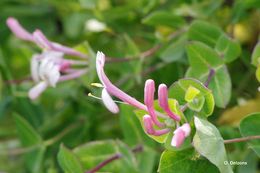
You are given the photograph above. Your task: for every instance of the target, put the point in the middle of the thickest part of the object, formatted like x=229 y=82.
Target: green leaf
x=250 y=126
x=257 y=73
x=68 y=161
x=93 y=153
x=204 y=32
x=174 y=51
x=164 y=18
x=147 y=157
x=191 y=93
x=89 y=4
x=202 y=57
x=74 y=25
x=131 y=128
x=184 y=161
x=256 y=55
x=34 y=159
x=128 y=158
x=196 y=104
x=221 y=87
x=178 y=91
x=227 y=48
x=209 y=143
x=27 y=134
x=30 y=138
x=220 y=83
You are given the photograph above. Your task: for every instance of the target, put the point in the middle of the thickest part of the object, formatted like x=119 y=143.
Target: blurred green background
x=66 y=114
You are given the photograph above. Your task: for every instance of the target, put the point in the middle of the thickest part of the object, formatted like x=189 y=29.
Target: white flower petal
x=109 y=102
x=42 y=68
x=53 y=76
x=35 y=68
x=186 y=128
x=37 y=90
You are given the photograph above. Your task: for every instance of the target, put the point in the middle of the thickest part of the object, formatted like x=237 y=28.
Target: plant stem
x=243 y=139
x=144 y=54
x=137 y=149
x=211 y=74
x=18 y=81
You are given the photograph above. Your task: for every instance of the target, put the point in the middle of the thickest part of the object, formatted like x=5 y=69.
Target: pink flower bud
x=18 y=30
x=149 y=90
x=180 y=134
x=178 y=138
x=163 y=102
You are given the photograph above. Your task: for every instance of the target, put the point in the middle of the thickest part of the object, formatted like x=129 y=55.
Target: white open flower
x=45 y=70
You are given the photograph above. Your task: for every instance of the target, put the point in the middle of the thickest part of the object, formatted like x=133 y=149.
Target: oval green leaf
x=209 y=143
x=250 y=126
x=68 y=161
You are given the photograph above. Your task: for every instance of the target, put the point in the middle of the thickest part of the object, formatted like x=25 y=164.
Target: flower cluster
x=49 y=67
x=150 y=120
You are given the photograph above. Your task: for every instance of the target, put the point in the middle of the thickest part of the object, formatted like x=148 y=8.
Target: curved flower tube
x=148 y=125
x=163 y=102
x=112 y=89
x=149 y=90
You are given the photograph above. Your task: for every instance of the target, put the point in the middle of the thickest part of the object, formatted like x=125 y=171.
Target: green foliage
x=30 y=138
x=184 y=161
x=204 y=32
x=26 y=132
x=207 y=53
x=227 y=48
x=164 y=18
x=249 y=126
x=256 y=55
x=68 y=161
x=209 y=143
x=179 y=89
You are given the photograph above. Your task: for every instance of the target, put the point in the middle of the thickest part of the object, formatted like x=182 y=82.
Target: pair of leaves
x=202 y=59
x=214 y=37
x=211 y=49
x=179 y=91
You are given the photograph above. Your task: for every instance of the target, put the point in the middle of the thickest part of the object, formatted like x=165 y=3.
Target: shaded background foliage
x=132 y=28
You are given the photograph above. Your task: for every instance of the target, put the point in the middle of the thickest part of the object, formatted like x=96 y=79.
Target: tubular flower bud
x=163 y=102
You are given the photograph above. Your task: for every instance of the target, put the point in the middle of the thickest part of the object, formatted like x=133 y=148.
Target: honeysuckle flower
x=112 y=89
x=180 y=134
x=151 y=119
x=49 y=67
